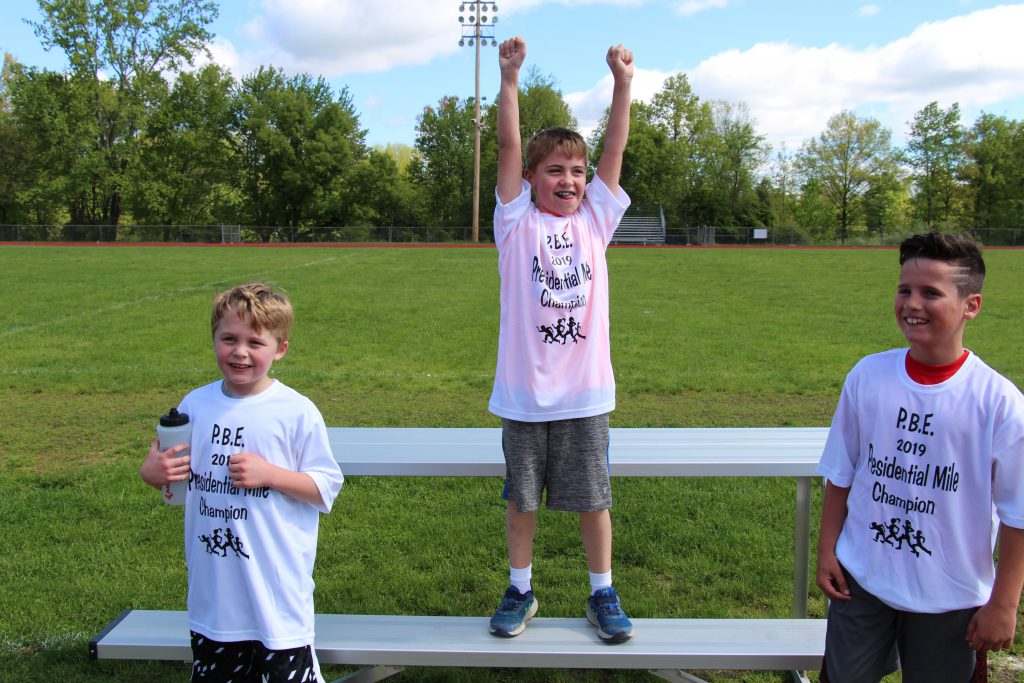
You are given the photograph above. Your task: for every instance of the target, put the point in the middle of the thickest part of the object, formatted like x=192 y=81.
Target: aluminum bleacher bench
x=387 y=644
x=633 y=229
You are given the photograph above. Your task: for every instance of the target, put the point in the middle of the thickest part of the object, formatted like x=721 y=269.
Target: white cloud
x=793 y=90
x=522 y=5
x=688 y=7
x=588 y=106
x=345 y=37
x=869 y=10
x=333 y=38
x=338 y=37
x=222 y=52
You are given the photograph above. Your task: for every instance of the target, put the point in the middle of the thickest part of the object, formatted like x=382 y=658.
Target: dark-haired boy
x=924 y=465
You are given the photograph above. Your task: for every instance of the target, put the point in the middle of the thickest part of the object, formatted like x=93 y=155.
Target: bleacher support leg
x=802 y=557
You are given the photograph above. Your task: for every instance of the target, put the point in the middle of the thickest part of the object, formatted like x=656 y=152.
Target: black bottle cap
x=173 y=419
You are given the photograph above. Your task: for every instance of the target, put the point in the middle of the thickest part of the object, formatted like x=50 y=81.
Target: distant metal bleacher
x=645 y=225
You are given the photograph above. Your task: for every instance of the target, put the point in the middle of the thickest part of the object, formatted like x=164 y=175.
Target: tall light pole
x=477 y=29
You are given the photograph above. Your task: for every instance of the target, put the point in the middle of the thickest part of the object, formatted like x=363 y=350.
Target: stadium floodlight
x=477 y=30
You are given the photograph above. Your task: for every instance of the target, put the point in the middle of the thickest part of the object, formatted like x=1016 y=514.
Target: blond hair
x=265 y=309
x=565 y=140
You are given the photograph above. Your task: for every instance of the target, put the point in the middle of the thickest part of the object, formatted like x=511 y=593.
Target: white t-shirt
x=554 y=358
x=250 y=552
x=932 y=469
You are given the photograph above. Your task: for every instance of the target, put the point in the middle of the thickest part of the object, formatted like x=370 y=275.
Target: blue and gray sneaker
x=512 y=614
x=605 y=613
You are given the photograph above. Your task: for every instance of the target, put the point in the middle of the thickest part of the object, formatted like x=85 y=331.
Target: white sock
x=520 y=578
x=599 y=581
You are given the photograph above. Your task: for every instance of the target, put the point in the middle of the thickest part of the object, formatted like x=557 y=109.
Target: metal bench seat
x=664 y=646
x=387 y=643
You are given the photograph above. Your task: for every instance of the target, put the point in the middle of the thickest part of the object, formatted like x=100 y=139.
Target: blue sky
x=793 y=63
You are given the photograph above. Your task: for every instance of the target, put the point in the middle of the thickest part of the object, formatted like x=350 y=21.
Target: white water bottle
x=174 y=428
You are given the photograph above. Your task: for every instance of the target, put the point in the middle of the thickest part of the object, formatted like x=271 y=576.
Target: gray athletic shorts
x=866 y=639
x=569 y=458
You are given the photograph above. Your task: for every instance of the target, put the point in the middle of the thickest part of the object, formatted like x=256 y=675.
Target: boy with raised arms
x=553 y=385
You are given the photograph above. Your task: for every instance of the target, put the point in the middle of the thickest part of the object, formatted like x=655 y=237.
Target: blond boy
x=261 y=471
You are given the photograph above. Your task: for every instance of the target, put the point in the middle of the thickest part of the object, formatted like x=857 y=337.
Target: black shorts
x=249 y=661
x=866 y=639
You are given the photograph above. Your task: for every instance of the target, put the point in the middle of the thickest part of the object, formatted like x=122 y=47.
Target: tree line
x=127 y=135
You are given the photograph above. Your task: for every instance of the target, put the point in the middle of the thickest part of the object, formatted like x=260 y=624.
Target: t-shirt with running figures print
x=554 y=357
x=250 y=552
x=932 y=470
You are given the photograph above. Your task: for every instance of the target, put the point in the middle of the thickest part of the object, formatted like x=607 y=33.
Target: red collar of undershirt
x=934 y=374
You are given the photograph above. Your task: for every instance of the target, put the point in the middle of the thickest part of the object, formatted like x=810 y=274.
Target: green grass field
x=96 y=342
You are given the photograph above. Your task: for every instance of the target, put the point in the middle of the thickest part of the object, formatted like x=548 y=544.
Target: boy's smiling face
x=930 y=311
x=558 y=182
x=244 y=355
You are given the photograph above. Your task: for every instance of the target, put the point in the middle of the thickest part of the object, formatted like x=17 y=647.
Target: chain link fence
x=236 y=234
x=715 y=236
x=244 y=234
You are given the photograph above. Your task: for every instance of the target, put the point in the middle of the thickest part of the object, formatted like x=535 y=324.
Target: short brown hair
x=956 y=250
x=548 y=140
x=265 y=308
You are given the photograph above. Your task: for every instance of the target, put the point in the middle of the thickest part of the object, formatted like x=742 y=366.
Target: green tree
x=14 y=154
x=782 y=195
x=443 y=169
x=698 y=160
x=541 y=105
x=885 y=203
x=736 y=153
x=995 y=174
x=814 y=212
x=297 y=141
x=118 y=51
x=678 y=110
x=935 y=154
x=852 y=153
x=10 y=64
x=669 y=150
x=689 y=127
x=765 y=201
x=381 y=194
x=63 y=166
x=128 y=39
x=646 y=162
x=401 y=154
x=187 y=169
